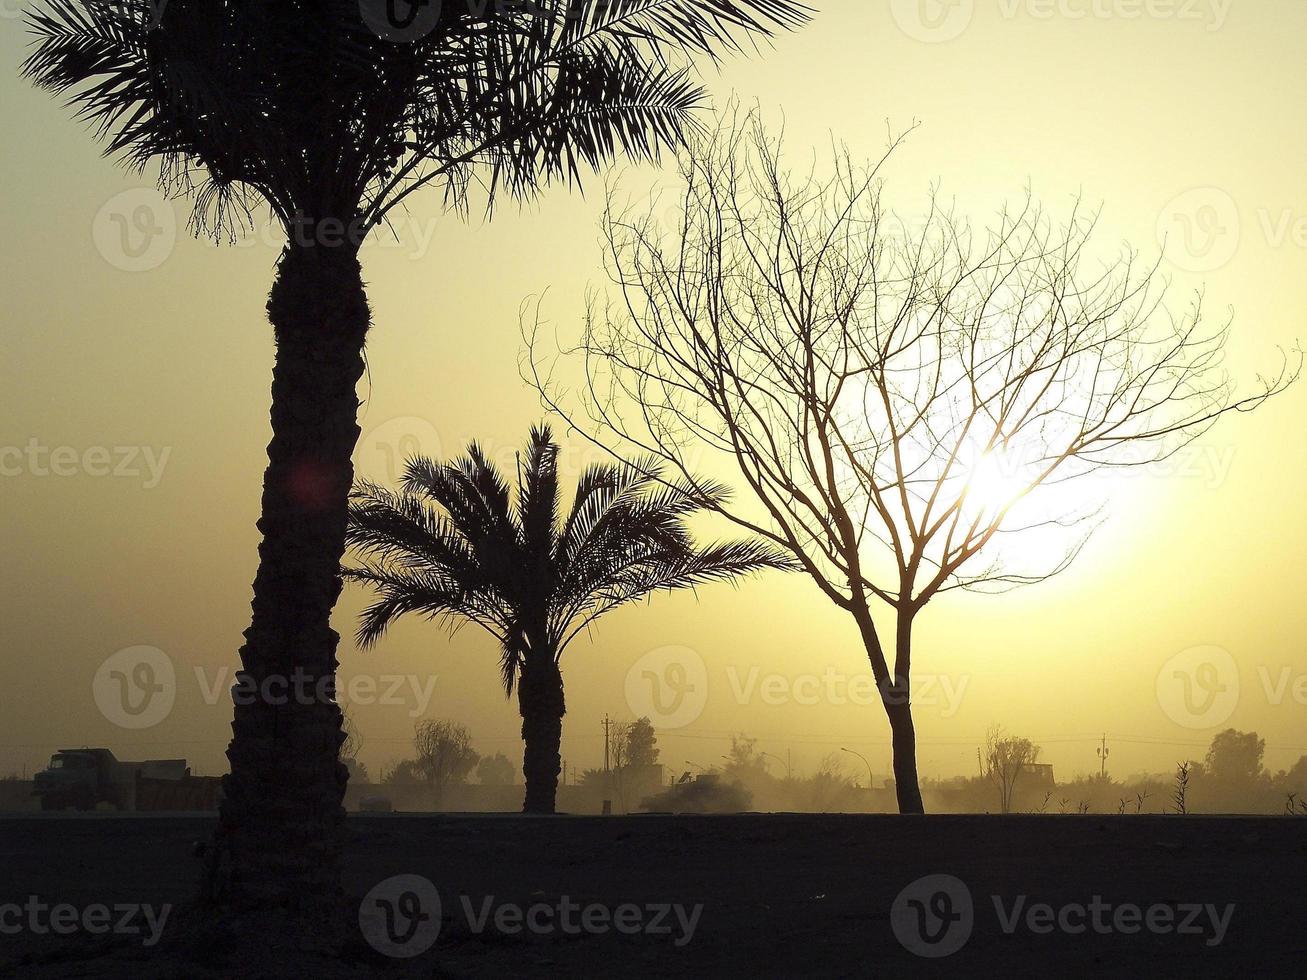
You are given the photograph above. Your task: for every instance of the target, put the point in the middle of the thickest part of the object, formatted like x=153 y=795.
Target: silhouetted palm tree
x=301 y=106
x=454 y=545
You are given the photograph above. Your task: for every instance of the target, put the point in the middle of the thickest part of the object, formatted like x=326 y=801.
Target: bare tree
x=1006 y=758
x=444 y=754
x=897 y=399
x=619 y=749
x=619 y=744
x=351 y=746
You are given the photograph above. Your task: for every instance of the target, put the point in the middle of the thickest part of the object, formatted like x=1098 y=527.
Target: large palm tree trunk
x=282 y=819
x=540 y=699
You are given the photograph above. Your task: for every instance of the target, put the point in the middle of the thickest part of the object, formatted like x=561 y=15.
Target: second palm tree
x=454 y=544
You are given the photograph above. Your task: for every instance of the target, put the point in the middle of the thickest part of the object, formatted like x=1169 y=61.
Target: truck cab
x=73 y=779
x=85 y=778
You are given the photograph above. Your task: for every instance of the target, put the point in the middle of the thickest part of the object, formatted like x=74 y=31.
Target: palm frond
x=700 y=26
x=448 y=546
x=400 y=593
x=403 y=528
x=598 y=488
x=538 y=496
x=300 y=104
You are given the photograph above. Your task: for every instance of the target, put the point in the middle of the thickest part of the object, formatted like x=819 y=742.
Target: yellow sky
x=1186 y=116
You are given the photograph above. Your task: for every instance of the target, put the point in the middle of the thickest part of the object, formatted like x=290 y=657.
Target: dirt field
x=749 y=895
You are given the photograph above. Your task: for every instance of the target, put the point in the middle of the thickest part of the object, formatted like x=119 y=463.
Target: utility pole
x=607 y=724
x=1103 y=752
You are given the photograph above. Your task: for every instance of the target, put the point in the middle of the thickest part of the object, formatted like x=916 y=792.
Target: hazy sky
x=1177 y=115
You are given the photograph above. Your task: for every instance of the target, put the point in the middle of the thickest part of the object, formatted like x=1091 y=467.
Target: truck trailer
x=86 y=779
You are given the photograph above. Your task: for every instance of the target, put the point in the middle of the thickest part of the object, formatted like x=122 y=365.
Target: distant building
x=1037 y=774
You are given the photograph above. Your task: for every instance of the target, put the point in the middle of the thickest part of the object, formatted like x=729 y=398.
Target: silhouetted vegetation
x=1006 y=758
x=1180 y=794
x=306 y=109
x=881 y=387
x=496 y=770
x=1229 y=779
x=454 y=544
x=444 y=754
x=705 y=794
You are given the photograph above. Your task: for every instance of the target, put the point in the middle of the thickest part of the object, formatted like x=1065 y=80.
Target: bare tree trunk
x=281 y=823
x=540 y=700
x=899 y=710
x=906 y=786
x=896 y=698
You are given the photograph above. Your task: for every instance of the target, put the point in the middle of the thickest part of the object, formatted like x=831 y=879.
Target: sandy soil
x=777 y=895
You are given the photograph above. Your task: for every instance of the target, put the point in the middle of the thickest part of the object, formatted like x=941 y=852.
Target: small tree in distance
x=897 y=402
x=1006 y=758
x=744 y=759
x=444 y=755
x=402 y=773
x=1235 y=756
x=641 y=744
x=496 y=770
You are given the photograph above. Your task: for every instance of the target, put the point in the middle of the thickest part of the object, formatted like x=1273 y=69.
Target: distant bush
x=701 y=796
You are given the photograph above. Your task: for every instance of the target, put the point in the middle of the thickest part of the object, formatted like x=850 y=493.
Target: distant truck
x=84 y=779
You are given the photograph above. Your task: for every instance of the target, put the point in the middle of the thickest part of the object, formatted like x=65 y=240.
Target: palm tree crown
x=304 y=105
x=452 y=544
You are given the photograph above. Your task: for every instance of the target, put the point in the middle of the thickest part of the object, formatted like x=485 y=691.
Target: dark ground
x=782 y=895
